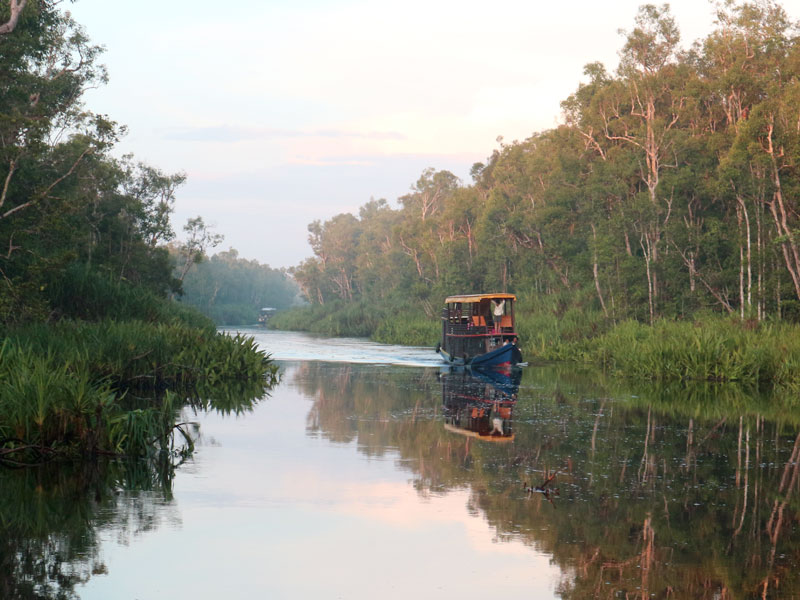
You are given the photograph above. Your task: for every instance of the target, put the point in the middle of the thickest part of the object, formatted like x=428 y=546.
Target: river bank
x=76 y=388
x=351 y=455
x=708 y=348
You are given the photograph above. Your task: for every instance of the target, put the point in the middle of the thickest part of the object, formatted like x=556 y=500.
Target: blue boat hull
x=496 y=358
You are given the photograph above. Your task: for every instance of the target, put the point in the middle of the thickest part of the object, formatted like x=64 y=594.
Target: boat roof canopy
x=478 y=297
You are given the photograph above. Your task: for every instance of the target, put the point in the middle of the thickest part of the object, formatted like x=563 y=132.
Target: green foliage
x=135 y=353
x=231 y=290
x=390 y=322
x=670 y=191
x=714 y=349
x=66 y=203
x=63 y=387
x=709 y=348
x=82 y=292
x=408 y=328
x=85 y=277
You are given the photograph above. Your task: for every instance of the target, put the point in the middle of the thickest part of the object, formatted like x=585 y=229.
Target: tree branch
x=17 y=7
x=11 y=168
x=47 y=191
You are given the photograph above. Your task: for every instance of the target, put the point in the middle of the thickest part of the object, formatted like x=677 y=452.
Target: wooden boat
x=478 y=330
x=265 y=314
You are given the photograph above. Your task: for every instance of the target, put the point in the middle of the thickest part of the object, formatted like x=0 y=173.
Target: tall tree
x=200 y=238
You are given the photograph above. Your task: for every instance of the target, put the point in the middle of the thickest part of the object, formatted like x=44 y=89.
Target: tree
x=755 y=57
x=48 y=64
x=200 y=239
x=155 y=193
x=428 y=193
x=231 y=290
x=671 y=187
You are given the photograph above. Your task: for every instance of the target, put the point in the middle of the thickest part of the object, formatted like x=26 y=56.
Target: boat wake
x=293 y=345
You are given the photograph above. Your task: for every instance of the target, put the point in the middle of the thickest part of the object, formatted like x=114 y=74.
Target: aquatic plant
x=66 y=388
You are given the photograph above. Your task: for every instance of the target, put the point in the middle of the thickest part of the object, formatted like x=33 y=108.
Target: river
x=372 y=471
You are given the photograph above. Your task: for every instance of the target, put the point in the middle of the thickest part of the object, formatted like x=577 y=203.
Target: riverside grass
x=65 y=387
x=81 y=293
x=715 y=350
x=707 y=348
x=388 y=323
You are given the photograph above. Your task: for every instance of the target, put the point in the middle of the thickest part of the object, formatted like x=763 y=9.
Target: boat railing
x=463 y=329
x=468 y=329
x=458 y=325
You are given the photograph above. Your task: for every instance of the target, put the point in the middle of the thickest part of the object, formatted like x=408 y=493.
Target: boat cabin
x=265 y=314
x=477 y=325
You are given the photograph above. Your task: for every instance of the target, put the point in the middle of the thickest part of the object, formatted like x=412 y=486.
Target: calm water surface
x=370 y=471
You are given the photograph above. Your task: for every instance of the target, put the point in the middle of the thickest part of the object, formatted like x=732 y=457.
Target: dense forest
x=230 y=290
x=70 y=212
x=95 y=355
x=670 y=190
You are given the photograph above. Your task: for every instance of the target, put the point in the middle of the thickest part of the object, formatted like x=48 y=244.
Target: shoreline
x=708 y=348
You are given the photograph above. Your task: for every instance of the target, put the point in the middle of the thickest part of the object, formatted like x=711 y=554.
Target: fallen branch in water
x=543 y=487
x=43 y=453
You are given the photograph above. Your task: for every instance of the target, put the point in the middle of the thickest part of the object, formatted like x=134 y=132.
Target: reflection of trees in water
x=51 y=516
x=686 y=491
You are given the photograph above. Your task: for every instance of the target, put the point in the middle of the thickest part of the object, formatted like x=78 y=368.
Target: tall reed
x=711 y=349
x=63 y=386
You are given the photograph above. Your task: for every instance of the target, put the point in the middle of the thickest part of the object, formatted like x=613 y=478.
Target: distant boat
x=265 y=314
x=478 y=330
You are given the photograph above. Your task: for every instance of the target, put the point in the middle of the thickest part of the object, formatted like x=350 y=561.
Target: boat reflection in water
x=480 y=403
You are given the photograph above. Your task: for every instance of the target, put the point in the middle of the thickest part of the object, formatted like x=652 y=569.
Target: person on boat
x=498 y=308
x=516 y=354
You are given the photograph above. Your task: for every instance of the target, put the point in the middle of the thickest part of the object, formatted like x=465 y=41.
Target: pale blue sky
x=285 y=112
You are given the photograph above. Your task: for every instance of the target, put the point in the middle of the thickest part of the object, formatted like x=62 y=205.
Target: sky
x=284 y=112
